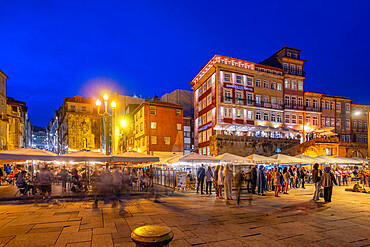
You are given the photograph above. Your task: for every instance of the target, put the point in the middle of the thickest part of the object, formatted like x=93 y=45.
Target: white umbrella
x=232 y=158
x=307 y=159
x=83 y=156
x=327 y=159
x=360 y=159
x=286 y=159
x=198 y=158
x=134 y=157
x=259 y=159
x=27 y=154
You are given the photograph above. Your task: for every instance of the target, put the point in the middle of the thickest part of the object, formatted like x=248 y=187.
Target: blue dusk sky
x=51 y=50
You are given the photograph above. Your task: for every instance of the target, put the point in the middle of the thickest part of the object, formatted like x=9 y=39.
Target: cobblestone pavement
x=196 y=220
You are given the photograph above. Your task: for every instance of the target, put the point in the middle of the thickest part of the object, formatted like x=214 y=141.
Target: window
x=227 y=95
x=153 y=125
x=209 y=116
x=239 y=113
x=250 y=115
x=152 y=110
x=292 y=69
x=236 y=64
x=294 y=119
x=354 y=124
x=83 y=108
x=258 y=99
x=285 y=66
x=279 y=86
x=287 y=84
x=249 y=81
x=239 y=97
x=300 y=119
x=265 y=84
x=327 y=105
x=204 y=103
x=315 y=104
x=300 y=102
x=332 y=122
x=328 y=151
x=347 y=124
x=227 y=77
x=365 y=139
x=308 y=103
x=294 y=85
x=289 y=54
x=300 y=85
x=249 y=98
x=359 y=138
x=242 y=65
x=273 y=118
x=200 y=138
x=347 y=138
x=239 y=79
x=287 y=101
x=322 y=122
x=360 y=124
x=258 y=116
x=287 y=118
x=73 y=108
x=200 y=106
x=343 y=138
x=279 y=102
x=338 y=106
x=294 y=102
x=141 y=126
x=365 y=126
x=209 y=134
x=273 y=85
x=332 y=106
x=315 y=121
x=179 y=126
x=327 y=123
x=265 y=116
x=308 y=120
x=338 y=122
x=229 y=62
x=299 y=68
x=222 y=61
x=348 y=109
x=178 y=113
x=204 y=87
x=273 y=102
x=153 y=140
x=248 y=66
x=209 y=83
x=228 y=113
x=279 y=118
x=209 y=100
x=258 y=83
x=167 y=140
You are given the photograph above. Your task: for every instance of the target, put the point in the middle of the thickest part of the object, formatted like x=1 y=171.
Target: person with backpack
x=200 y=176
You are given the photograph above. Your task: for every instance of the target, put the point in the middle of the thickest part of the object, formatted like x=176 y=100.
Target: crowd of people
x=259 y=179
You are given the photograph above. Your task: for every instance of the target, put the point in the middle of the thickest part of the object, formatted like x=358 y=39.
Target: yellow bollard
x=150 y=236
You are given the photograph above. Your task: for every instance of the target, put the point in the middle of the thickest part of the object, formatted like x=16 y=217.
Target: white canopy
x=27 y=154
x=285 y=159
x=306 y=159
x=360 y=159
x=197 y=158
x=327 y=159
x=232 y=158
x=84 y=155
x=259 y=159
x=134 y=157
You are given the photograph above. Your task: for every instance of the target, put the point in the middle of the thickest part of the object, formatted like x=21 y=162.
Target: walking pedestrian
x=338 y=175
x=261 y=181
x=64 y=174
x=228 y=176
x=327 y=181
x=345 y=174
x=200 y=177
x=254 y=178
x=238 y=182
x=220 y=181
x=215 y=181
x=291 y=179
x=277 y=183
x=209 y=176
x=269 y=181
x=286 y=175
x=299 y=179
x=44 y=178
x=316 y=179
x=248 y=180
x=303 y=177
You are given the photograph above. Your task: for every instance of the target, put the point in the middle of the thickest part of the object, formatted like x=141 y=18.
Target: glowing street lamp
x=123 y=123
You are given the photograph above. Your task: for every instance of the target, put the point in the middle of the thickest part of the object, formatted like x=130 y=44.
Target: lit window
x=287 y=84
x=209 y=99
x=179 y=127
x=258 y=99
x=249 y=81
x=300 y=85
x=239 y=97
x=348 y=124
x=222 y=61
x=229 y=62
x=227 y=95
x=279 y=87
x=178 y=113
x=315 y=121
x=228 y=113
x=236 y=64
x=294 y=85
x=239 y=79
x=242 y=65
x=250 y=115
x=239 y=113
x=167 y=140
x=209 y=83
x=153 y=140
x=332 y=122
x=153 y=125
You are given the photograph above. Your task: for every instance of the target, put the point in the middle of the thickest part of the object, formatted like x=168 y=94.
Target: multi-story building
x=158 y=128
x=185 y=99
x=39 y=138
x=239 y=92
x=3 y=118
x=360 y=122
x=75 y=126
x=18 y=125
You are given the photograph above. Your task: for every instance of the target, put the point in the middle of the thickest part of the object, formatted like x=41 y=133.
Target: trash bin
x=150 y=236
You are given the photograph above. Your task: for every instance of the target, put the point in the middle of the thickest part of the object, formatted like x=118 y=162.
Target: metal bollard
x=152 y=236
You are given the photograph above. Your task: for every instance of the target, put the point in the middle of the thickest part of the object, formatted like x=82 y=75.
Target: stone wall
x=247 y=145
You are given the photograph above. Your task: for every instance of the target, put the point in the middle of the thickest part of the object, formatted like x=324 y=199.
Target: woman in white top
x=220 y=180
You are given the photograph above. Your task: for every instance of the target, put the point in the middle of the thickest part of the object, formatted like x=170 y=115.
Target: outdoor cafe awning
x=232 y=158
x=84 y=156
x=286 y=159
x=27 y=154
x=134 y=157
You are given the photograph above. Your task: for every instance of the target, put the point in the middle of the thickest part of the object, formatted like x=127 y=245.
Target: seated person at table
x=22 y=184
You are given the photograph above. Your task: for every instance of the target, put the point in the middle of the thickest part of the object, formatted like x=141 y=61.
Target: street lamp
x=106 y=115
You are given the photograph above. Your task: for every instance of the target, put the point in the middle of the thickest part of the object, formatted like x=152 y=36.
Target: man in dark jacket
x=254 y=178
x=316 y=177
x=327 y=181
x=200 y=176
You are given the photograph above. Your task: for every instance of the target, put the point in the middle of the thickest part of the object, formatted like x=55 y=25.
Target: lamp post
x=106 y=115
